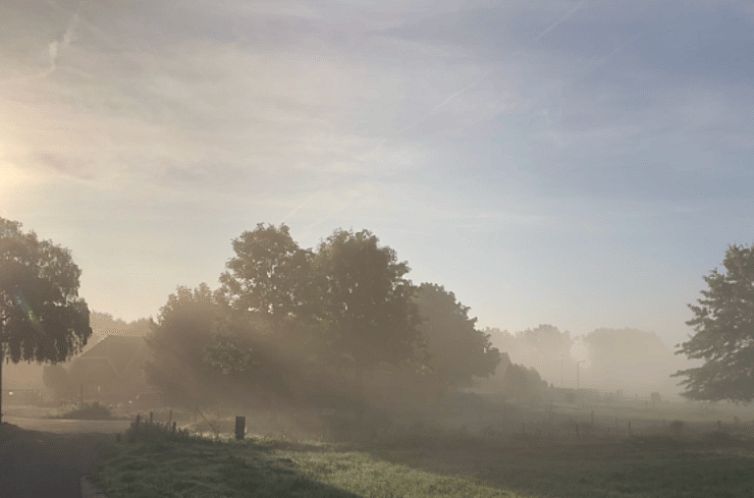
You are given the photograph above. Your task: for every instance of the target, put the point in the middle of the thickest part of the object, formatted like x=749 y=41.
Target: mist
x=447 y=248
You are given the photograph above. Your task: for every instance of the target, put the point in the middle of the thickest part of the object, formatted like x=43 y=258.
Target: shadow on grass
x=39 y=464
x=647 y=468
x=198 y=468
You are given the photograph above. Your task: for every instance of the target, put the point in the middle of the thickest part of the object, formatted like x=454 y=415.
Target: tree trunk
x=2 y=360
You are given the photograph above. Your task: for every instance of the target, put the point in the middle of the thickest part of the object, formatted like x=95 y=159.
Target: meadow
x=699 y=465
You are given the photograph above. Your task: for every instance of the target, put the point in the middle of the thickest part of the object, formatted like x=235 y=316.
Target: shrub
x=92 y=411
x=146 y=430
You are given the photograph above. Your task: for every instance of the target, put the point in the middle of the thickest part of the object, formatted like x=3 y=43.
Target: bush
x=92 y=411
x=146 y=430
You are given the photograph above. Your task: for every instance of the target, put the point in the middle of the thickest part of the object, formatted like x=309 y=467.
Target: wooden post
x=240 y=427
x=173 y=428
x=151 y=418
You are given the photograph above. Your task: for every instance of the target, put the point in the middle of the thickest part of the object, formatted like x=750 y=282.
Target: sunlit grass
x=636 y=467
x=206 y=469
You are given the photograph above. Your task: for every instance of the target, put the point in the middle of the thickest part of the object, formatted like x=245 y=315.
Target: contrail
x=561 y=20
x=454 y=95
x=444 y=103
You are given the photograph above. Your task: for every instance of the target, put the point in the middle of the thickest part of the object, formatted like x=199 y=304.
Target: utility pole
x=578 y=374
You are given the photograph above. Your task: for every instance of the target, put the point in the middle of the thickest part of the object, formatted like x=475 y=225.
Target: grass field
x=648 y=468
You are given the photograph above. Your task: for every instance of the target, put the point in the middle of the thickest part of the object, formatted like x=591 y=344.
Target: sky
x=579 y=163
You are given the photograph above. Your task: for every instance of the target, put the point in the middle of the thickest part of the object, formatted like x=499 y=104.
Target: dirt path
x=37 y=464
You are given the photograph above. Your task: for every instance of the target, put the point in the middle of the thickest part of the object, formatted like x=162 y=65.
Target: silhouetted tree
x=520 y=382
x=456 y=350
x=367 y=303
x=270 y=274
x=205 y=352
x=181 y=335
x=42 y=317
x=723 y=324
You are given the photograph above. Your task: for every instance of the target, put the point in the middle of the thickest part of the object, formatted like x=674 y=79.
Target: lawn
x=196 y=468
x=647 y=468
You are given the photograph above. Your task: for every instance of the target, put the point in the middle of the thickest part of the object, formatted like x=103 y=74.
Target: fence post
x=240 y=427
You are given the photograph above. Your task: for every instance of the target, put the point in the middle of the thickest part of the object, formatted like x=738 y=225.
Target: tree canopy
x=269 y=273
x=311 y=325
x=723 y=338
x=368 y=308
x=42 y=317
x=456 y=351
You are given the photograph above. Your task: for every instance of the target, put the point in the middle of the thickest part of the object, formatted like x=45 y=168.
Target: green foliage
x=89 y=411
x=520 y=382
x=368 y=311
x=723 y=324
x=42 y=317
x=270 y=274
x=456 y=351
x=338 y=326
x=205 y=352
x=181 y=335
x=151 y=431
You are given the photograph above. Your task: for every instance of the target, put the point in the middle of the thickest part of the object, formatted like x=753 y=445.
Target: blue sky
x=569 y=162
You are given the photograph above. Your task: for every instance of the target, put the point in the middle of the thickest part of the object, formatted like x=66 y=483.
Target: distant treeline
x=626 y=359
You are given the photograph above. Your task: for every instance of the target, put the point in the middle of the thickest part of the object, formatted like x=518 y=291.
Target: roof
x=118 y=351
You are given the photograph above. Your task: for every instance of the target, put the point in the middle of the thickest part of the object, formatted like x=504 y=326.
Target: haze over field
x=426 y=248
x=574 y=163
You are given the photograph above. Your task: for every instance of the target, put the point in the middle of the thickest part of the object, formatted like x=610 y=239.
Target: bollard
x=240 y=427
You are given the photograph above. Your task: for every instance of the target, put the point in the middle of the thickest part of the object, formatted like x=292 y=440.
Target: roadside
x=36 y=464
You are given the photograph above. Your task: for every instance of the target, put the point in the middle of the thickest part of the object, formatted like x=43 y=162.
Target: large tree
x=457 y=351
x=184 y=330
x=368 y=308
x=42 y=317
x=723 y=323
x=270 y=274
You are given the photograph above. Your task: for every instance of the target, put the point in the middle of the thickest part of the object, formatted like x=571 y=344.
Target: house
x=111 y=370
